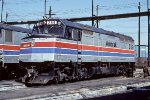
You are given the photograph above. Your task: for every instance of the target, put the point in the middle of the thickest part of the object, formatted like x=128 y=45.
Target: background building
x=143 y=54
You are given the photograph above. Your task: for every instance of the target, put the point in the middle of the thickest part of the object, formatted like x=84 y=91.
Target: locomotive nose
x=37 y=50
x=26 y=51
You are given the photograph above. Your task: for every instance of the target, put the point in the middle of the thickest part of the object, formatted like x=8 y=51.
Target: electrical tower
x=148 y=37
x=2 y=10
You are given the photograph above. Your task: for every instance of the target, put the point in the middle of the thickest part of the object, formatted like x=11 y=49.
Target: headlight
x=32 y=43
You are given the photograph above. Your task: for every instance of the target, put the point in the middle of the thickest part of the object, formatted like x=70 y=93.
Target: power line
x=74 y=11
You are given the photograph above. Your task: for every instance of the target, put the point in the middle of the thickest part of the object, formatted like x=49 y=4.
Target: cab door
x=79 y=47
x=76 y=36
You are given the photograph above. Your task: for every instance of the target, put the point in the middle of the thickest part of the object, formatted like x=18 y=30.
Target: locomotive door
x=99 y=48
x=97 y=44
x=79 y=48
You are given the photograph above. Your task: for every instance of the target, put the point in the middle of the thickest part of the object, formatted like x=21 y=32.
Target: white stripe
x=10 y=55
x=84 y=45
x=11 y=50
x=10 y=44
x=74 y=55
x=38 y=47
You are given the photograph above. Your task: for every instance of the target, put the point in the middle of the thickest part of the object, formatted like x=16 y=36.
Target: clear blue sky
x=34 y=9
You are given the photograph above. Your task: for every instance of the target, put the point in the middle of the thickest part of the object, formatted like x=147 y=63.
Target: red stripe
x=80 y=47
x=9 y=47
x=117 y=50
x=66 y=45
x=44 y=44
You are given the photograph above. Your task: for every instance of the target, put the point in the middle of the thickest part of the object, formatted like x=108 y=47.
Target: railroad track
x=11 y=86
x=12 y=90
x=86 y=93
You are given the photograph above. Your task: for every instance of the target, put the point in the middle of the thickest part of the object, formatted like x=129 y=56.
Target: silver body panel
x=10 y=49
x=61 y=55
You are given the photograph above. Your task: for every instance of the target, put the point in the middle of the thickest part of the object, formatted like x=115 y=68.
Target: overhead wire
x=73 y=11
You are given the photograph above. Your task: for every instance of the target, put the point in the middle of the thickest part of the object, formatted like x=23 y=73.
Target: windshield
x=56 y=30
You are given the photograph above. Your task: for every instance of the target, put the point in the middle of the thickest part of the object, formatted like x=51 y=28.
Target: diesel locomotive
x=60 y=50
x=10 y=38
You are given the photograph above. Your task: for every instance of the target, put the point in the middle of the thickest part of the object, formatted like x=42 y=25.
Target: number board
x=48 y=23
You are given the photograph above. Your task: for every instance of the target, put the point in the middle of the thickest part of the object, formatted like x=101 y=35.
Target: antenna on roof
x=50 y=13
x=6 y=16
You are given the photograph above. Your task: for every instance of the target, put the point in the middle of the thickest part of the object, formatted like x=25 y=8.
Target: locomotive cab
x=53 y=28
x=57 y=29
x=45 y=43
x=42 y=41
x=42 y=50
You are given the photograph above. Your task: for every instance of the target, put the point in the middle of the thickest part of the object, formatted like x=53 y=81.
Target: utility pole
x=6 y=16
x=2 y=10
x=139 y=7
x=45 y=7
x=97 y=7
x=148 y=10
x=50 y=12
x=92 y=13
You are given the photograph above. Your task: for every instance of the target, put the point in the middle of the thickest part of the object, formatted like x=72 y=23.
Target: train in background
x=10 y=39
x=61 y=50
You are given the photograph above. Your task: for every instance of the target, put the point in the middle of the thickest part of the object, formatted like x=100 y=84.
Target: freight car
x=10 y=38
x=61 y=50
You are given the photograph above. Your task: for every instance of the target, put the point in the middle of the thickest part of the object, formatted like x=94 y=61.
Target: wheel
x=56 y=80
x=85 y=73
x=28 y=85
x=1 y=74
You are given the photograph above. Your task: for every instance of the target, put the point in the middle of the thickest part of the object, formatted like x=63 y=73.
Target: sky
x=24 y=10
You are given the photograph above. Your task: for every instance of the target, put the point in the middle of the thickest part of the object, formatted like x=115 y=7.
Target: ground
x=75 y=90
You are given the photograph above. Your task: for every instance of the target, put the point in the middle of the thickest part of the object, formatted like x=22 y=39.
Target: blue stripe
x=11 y=52
x=65 y=51
x=106 y=54
x=90 y=53
x=68 y=51
x=48 y=50
x=37 y=50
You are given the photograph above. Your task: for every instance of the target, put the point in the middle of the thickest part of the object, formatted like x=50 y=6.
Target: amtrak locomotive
x=10 y=38
x=60 y=50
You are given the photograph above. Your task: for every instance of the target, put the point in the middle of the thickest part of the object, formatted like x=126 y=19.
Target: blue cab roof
x=94 y=29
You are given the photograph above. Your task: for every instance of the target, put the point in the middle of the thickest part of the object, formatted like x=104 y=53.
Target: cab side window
x=8 y=36
x=79 y=35
x=69 y=33
x=0 y=33
x=131 y=46
x=73 y=34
